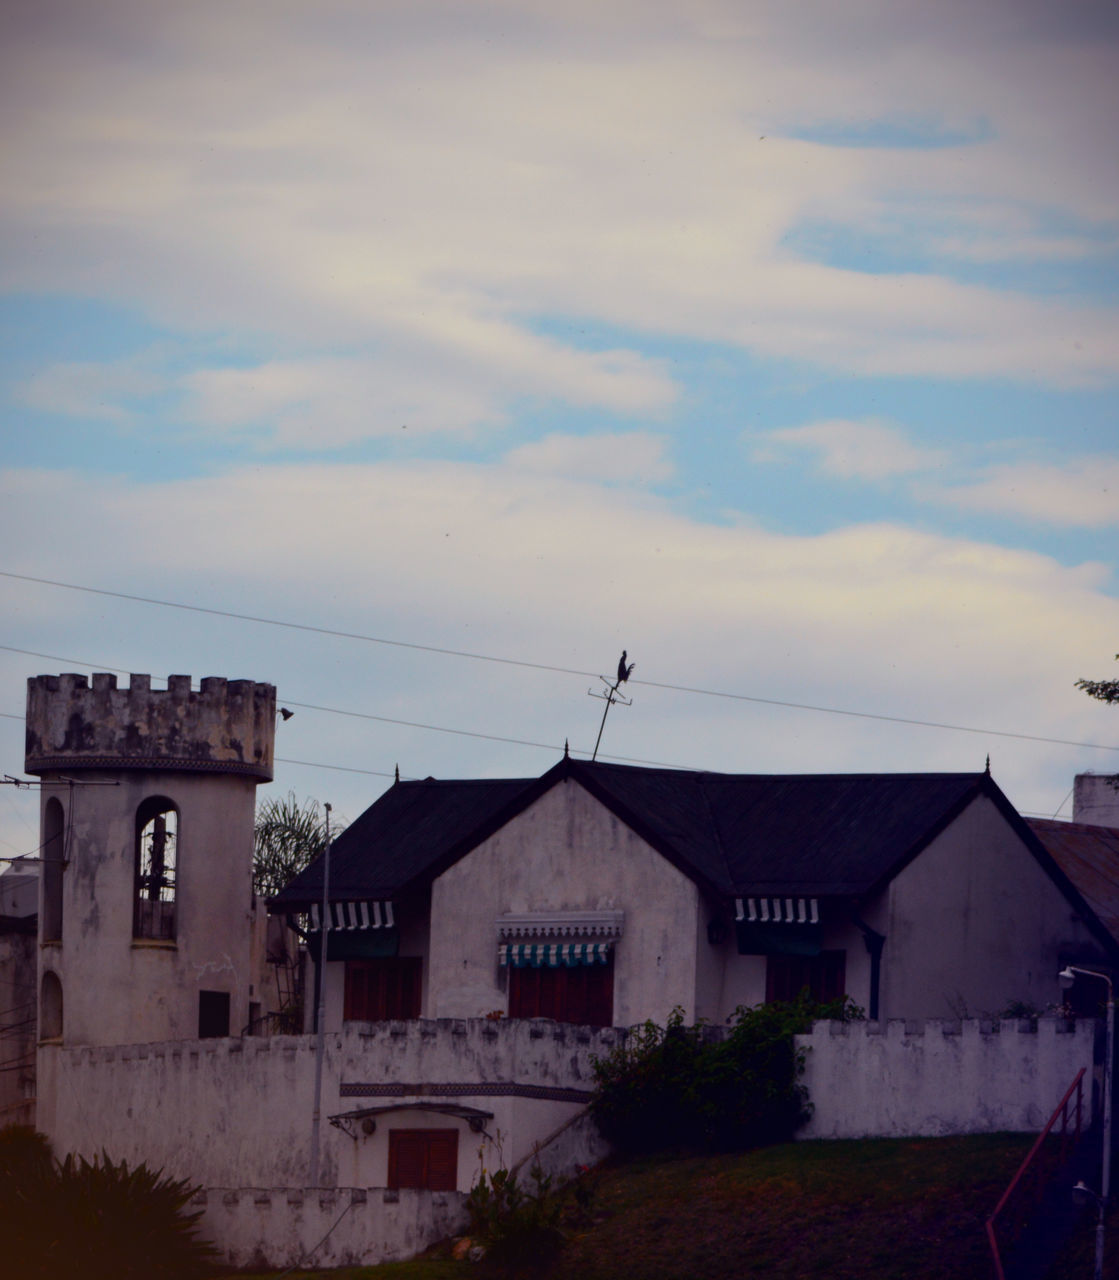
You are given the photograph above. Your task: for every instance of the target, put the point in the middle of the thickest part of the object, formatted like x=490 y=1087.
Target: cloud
x=85 y=389
x=413 y=176
x=1081 y=493
x=634 y=457
x=868 y=449
x=328 y=402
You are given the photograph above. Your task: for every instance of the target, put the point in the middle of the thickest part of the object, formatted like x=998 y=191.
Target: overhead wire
x=537 y=666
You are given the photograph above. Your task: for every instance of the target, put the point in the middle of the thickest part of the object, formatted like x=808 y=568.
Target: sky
x=420 y=357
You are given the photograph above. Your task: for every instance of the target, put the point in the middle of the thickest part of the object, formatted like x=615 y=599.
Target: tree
x=286 y=836
x=1104 y=690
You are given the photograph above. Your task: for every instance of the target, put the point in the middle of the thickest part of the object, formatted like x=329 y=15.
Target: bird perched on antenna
x=625 y=672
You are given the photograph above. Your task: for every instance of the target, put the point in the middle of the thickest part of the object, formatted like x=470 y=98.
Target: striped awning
x=537 y=955
x=354 y=915
x=777 y=910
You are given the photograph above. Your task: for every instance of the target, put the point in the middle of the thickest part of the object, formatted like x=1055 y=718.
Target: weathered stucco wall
x=234 y=1116
x=566 y=852
x=118 y=989
x=237 y=1112
x=102 y=753
x=1095 y=799
x=267 y=1227
x=224 y=726
x=974 y=923
x=904 y=1079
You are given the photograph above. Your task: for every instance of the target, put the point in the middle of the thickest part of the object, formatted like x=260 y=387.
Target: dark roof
x=1089 y=856
x=735 y=834
x=402 y=837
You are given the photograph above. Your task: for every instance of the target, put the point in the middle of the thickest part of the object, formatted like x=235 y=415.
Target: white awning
x=537 y=955
x=354 y=915
x=777 y=910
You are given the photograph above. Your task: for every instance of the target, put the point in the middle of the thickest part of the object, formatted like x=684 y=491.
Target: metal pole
x=1105 y=1190
x=320 y=1015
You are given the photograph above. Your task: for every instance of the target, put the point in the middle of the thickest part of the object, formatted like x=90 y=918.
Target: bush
x=519 y=1225
x=679 y=1087
x=94 y=1218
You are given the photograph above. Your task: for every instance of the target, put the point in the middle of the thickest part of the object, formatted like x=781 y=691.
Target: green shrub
x=519 y=1225
x=94 y=1218
x=680 y=1087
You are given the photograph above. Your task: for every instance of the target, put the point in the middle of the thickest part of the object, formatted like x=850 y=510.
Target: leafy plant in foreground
x=94 y=1218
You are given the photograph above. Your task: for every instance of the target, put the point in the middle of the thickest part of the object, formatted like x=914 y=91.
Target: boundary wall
x=233 y=1116
x=272 y=1227
x=939 y=1077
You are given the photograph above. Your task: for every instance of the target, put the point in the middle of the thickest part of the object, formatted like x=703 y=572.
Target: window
x=382 y=988
x=582 y=993
x=53 y=866
x=50 y=1008
x=157 y=829
x=213 y=1014
x=824 y=976
x=424 y=1158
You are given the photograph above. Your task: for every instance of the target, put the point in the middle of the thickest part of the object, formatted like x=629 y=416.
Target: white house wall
x=973 y=923
x=565 y=852
x=117 y=989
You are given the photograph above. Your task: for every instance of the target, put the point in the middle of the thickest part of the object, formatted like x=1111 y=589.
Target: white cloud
x=631 y=457
x=868 y=449
x=1081 y=493
x=414 y=175
x=87 y=390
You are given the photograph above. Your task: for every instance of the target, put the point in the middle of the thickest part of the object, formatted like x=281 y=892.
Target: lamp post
x=320 y=1003
x=1067 y=976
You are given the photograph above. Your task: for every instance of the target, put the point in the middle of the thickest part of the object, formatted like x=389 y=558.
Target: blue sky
x=778 y=344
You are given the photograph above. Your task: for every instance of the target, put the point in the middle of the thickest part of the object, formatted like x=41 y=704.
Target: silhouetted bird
x=625 y=672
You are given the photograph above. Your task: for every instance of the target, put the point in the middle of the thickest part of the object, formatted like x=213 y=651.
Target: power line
x=298 y=626
x=537 y=666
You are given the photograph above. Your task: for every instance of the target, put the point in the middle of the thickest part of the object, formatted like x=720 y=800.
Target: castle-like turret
x=146 y=904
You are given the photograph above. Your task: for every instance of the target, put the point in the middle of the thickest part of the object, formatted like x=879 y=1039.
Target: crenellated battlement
x=226 y=726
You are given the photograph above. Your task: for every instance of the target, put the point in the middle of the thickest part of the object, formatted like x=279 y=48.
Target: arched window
x=50 y=1007
x=54 y=852
x=157 y=832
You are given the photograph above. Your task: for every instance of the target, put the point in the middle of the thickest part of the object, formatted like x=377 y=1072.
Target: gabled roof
x=1089 y=856
x=735 y=834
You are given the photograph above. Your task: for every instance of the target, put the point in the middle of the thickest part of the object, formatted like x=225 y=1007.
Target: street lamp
x=1067 y=977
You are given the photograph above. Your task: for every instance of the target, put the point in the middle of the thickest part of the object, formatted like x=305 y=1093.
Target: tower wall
x=135 y=946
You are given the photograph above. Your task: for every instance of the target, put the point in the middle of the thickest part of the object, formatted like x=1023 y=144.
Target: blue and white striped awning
x=354 y=915
x=551 y=955
x=777 y=910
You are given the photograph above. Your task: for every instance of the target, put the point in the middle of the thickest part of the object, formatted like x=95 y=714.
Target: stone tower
x=146 y=828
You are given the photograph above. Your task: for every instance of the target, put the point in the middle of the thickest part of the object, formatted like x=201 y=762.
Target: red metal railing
x=1048 y=1154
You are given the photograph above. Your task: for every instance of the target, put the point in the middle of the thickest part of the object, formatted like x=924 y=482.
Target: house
x=607 y=894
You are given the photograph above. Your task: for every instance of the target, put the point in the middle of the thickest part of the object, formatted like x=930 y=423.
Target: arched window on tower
x=157 y=832
x=54 y=861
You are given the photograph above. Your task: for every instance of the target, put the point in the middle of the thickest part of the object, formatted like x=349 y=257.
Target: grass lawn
x=905 y=1209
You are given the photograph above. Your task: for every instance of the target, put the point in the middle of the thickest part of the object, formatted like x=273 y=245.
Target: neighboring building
x=608 y=894
x=19 y=901
x=1095 y=799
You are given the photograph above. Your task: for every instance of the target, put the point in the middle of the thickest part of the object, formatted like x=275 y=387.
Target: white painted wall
x=237 y=1112
x=974 y=922
x=117 y=989
x=234 y=1116
x=272 y=1227
x=566 y=852
x=905 y=1079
